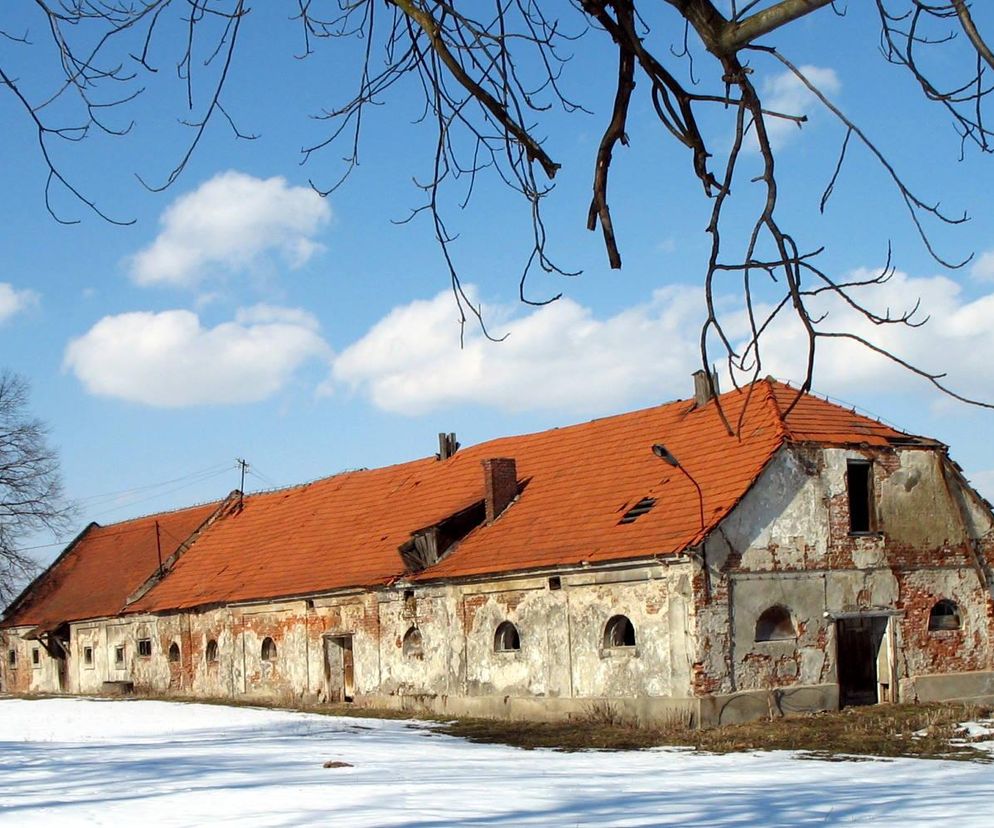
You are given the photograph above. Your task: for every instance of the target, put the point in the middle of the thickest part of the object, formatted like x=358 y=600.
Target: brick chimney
x=500 y=480
x=702 y=389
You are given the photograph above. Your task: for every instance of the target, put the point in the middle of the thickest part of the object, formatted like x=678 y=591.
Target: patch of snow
x=86 y=762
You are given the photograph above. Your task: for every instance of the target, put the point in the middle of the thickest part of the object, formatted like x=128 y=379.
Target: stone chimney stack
x=500 y=478
x=702 y=390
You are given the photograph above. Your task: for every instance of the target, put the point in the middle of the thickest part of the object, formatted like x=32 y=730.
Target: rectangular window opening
x=88 y=656
x=555 y=582
x=12 y=658
x=144 y=647
x=119 y=656
x=859 y=487
x=35 y=656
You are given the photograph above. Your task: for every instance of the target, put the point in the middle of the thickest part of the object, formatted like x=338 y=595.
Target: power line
x=187 y=485
x=90 y=499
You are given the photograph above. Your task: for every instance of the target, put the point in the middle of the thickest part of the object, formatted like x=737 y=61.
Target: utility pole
x=243 y=465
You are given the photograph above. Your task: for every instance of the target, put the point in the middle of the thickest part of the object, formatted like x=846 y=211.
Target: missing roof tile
x=639 y=509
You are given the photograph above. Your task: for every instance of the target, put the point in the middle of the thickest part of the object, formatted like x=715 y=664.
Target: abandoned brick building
x=650 y=561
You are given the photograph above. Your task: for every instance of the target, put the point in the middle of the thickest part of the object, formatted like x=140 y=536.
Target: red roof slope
x=95 y=575
x=577 y=481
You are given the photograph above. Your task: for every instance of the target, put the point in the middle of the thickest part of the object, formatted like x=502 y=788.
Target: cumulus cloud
x=955 y=339
x=559 y=356
x=983 y=267
x=13 y=301
x=170 y=360
x=785 y=93
x=231 y=223
x=563 y=357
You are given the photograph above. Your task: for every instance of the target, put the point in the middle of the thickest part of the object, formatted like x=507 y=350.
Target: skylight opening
x=639 y=509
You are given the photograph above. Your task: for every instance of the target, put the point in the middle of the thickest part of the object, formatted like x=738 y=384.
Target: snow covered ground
x=143 y=763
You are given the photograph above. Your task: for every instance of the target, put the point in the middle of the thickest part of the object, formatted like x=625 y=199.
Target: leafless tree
x=491 y=74
x=31 y=497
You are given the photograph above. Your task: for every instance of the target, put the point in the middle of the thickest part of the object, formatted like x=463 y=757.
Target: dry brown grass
x=924 y=731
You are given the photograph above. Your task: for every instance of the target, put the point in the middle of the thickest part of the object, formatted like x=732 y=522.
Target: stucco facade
x=844 y=574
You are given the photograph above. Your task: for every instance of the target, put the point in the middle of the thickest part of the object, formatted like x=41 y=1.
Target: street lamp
x=667 y=457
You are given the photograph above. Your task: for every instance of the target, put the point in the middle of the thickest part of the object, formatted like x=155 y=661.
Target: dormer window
x=639 y=509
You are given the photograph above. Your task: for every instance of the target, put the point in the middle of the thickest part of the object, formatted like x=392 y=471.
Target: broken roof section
x=97 y=572
x=574 y=484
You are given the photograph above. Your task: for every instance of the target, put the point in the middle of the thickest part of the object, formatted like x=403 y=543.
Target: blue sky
x=243 y=316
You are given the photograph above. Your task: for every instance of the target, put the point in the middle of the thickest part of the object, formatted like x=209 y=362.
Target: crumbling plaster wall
x=24 y=676
x=789 y=543
x=562 y=654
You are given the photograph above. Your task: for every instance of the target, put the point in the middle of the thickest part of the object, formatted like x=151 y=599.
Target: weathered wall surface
x=31 y=669
x=789 y=544
x=562 y=652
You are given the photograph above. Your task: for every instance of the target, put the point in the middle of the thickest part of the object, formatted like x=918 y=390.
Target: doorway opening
x=862 y=677
x=339 y=668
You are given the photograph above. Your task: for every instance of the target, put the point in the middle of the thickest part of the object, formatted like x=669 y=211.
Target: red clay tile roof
x=95 y=575
x=578 y=482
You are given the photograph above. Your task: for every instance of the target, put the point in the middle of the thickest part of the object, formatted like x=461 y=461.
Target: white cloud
x=170 y=360
x=558 y=356
x=562 y=357
x=956 y=340
x=785 y=93
x=983 y=267
x=231 y=223
x=13 y=301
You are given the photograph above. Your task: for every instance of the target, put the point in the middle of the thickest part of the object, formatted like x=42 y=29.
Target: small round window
x=268 y=649
x=619 y=632
x=506 y=639
x=944 y=616
x=412 y=643
x=775 y=624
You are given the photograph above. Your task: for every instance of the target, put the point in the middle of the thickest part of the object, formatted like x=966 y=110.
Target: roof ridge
x=164 y=512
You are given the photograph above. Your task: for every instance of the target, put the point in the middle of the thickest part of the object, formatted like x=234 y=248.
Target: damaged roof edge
x=230 y=504
x=36 y=582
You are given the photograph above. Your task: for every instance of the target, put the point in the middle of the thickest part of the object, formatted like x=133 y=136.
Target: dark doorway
x=339 y=668
x=858 y=648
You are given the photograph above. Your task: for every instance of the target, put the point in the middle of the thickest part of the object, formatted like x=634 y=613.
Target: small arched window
x=412 y=643
x=506 y=639
x=944 y=616
x=210 y=654
x=268 y=649
x=775 y=624
x=174 y=652
x=619 y=632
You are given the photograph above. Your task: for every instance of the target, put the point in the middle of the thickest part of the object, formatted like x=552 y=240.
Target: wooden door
x=348 y=669
x=339 y=669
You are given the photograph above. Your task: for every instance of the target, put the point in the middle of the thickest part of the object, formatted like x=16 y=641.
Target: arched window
x=412 y=643
x=268 y=649
x=775 y=624
x=944 y=616
x=210 y=654
x=506 y=639
x=174 y=652
x=619 y=632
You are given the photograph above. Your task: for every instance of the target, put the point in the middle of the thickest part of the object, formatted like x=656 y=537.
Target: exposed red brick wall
x=500 y=480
